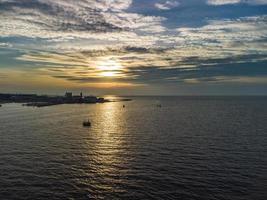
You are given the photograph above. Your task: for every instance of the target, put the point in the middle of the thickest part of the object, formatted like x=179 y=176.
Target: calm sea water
x=190 y=148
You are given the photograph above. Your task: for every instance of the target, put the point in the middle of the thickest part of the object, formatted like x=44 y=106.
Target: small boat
x=87 y=123
x=159 y=105
x=0 y=105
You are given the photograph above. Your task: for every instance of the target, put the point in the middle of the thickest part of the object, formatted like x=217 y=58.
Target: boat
x=123 y=106
x=87 y=123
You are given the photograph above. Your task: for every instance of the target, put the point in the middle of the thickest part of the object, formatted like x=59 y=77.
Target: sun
x=109 y=68
x=108 y=74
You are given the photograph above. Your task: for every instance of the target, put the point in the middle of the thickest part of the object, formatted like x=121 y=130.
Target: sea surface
x=190 y=148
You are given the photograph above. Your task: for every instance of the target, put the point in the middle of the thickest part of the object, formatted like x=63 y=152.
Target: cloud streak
x=167 y=5
x=225 y=2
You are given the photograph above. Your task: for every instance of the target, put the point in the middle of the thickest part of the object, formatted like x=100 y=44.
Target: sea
x=189 y=148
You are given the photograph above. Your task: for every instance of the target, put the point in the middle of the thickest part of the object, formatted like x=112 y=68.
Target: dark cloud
x=57 y=17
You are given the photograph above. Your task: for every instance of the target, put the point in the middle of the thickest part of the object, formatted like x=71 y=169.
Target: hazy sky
x=169 y=47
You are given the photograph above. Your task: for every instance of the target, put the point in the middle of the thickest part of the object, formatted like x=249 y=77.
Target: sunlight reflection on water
x=183 y=149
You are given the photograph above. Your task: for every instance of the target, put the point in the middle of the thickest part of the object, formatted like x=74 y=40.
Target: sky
x=134 y=47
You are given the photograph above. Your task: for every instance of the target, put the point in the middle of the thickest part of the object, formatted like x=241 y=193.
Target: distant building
x=90 y=99
x=68 y=95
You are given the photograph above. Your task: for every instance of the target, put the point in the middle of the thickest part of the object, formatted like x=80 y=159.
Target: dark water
x=191 y=148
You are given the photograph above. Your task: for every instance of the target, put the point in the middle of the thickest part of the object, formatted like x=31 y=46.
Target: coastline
x=35 y=100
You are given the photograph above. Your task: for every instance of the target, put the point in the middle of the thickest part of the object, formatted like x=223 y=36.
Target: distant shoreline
x=35 y=100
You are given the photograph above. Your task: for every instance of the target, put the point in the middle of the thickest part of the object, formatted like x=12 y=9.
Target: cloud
x=143 y=65
x=167 y=5
x=4 y=44
x=92 y=24
x=68 y=39
x=224 y=2
x=229 y=36
x=100 y=24
x=195 y=53
x=229 y=79
x=49 y=18
x=56 y=16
